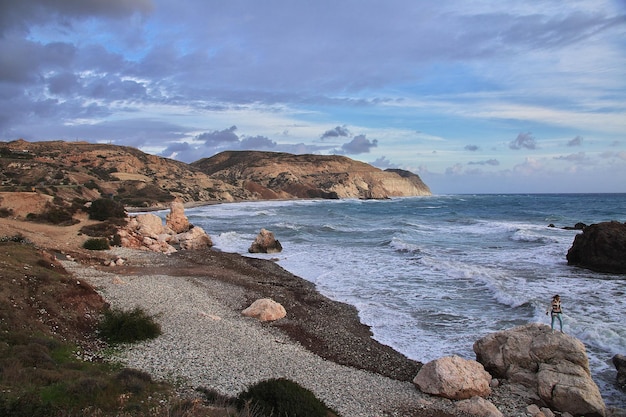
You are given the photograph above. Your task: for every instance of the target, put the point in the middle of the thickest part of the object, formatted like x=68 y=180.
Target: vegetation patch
x=97 y=244
x=106 y=208
x=282 y=398
x=119 y=326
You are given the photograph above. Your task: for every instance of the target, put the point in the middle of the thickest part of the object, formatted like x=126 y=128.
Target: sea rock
x=620 y=364
x=176 y=220
x=477 y=406
x=265 y=242
x=265 y=309
x=453 y=377
x=600 y=247
x=553 y=365
x=195 y=238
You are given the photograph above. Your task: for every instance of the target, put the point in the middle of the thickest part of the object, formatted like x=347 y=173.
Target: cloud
x=19 y=14
x=492 y=162
x=575 y=157
x=257 y=142
x=383 y=163
x=471 y=148
x=577 y=141
x=523 y=140
x=219 y=137
x=360 y=144
x=339 y=131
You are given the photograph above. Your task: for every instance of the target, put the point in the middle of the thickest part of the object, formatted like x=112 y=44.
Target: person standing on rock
x=555 y=309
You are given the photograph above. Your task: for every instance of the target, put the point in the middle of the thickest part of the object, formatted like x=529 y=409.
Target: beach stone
x=265 y=309
x=149 y=225
x=600 y=247
x=196 y=238
x=265 y=242
x=453 y=377
x=553 y=365
x=620 y=364
x=176 y=220
x=479 y=407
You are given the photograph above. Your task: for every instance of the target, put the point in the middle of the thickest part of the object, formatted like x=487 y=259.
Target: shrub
x=96 y=244
x=6 y=212
x=282 y=398
x=105 y=208
x=118 y=326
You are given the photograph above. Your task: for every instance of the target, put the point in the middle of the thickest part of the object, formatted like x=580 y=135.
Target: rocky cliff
x=274 y=175
x=81 y=171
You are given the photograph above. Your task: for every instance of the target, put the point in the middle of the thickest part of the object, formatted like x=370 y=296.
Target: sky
x=474 y=96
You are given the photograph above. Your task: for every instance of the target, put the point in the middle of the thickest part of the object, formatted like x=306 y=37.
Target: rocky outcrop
x=265 y=242
x=147 y=232
x=453 y=377
x=477 y=406
x=176 y=219
x=273 y=175
x=552 y=365
x=620 y=365
x=265 y=309
x=600 y=247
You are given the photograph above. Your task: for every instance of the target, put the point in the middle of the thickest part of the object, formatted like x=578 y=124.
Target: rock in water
x=600 y=247
x=265 y=242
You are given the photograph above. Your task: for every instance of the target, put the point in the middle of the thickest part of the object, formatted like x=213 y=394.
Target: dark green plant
x=96 y=244
x=106 y=208
x=118 y=326
x=282 y=397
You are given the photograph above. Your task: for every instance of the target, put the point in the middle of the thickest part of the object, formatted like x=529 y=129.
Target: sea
x=433 y=274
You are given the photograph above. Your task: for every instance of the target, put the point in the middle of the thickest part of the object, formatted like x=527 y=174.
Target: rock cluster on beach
x=552 y=367
x=147 y=232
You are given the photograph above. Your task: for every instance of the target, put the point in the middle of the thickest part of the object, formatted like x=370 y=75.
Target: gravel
x=207 y=343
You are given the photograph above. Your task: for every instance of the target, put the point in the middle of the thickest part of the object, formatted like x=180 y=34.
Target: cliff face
x=280 y=175
x=81 y=171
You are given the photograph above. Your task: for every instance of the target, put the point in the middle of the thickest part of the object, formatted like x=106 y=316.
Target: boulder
x=620 y=364
x=148 y=224
x=265 y=243
x=195 y=238
x=265 y=309
x=477 y=406
x=600 y=247
x=453 y=377
x=553 y=365
x=176 y=219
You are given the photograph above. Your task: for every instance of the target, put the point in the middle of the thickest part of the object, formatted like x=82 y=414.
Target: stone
x=620 y=364
x=196 y=238
x=149 y=225
x=553 y=365
x=600 y=247
x=265 y=309
x=176 y=220
x=265 y=242
x=478 y=406
x=453 y=377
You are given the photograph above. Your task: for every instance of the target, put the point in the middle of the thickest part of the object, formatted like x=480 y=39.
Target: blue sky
x=474 y=96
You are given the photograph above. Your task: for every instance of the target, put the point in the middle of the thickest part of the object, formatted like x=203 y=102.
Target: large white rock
x=265 y=309
x=453 y=377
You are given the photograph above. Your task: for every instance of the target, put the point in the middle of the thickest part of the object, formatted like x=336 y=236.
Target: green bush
x=105 y=208
x=96 y=244
x=282 y=398
x=118 y=326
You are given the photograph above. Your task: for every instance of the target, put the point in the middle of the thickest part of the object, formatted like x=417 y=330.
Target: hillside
x=65 y=174
x=87 y=171
x=272 y=175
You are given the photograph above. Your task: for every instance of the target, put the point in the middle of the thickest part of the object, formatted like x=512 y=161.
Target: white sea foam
x=431 y=275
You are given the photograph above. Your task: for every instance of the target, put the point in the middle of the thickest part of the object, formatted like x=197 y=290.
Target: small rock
x=265 y=309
